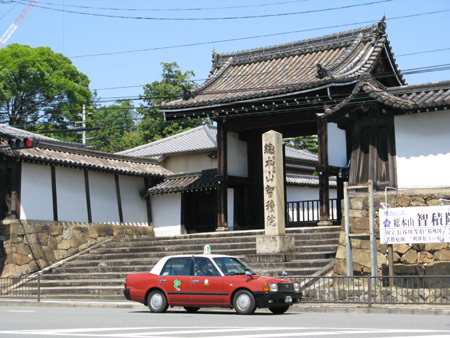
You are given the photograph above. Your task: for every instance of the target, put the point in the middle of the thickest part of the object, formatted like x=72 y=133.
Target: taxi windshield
x=232 y=266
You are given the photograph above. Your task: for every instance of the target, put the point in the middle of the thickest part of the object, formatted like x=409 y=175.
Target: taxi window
x=204 y=267
x=232 y=266
x=180 y=266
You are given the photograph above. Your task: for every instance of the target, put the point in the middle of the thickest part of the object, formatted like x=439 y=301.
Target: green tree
x=40 y=89
x=118 y=127
x=308 y=143
x=153 y=126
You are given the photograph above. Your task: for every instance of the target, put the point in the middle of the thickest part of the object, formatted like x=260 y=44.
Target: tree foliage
x=308 y=143
x=118 y=127
x=40 y=88
x=153 y=126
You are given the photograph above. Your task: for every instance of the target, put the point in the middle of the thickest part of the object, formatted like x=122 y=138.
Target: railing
x=308 y=211
x=431 y=290
x=20 y=287
x=368 y=290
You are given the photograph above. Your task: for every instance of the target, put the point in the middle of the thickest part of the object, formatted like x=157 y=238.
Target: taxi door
x=175 y=280
x=206 y=284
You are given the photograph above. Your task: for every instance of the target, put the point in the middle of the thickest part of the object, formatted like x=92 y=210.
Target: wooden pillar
x=16 y=177
x=222 y=179
x=119 y=197
x=324 y=174
x=88 y=195
x=148 y=182
x=54 y=193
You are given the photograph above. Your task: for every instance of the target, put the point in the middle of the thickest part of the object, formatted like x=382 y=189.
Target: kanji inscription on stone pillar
x=274 y=221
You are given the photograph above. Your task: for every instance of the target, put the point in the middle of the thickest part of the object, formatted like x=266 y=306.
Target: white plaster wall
x=337 y=149
x=423 y=150
x=71 y=195
x=189 y=162
x=297 y=193
x=134 y=208
x=166 y=214
x=237 y=156
x=36 y=192
x=103 y=194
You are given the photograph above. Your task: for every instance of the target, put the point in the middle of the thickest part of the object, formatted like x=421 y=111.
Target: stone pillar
x=274 y=241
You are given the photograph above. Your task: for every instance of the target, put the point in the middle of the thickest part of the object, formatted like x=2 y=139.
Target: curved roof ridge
x=215 y=73
x=345 y=37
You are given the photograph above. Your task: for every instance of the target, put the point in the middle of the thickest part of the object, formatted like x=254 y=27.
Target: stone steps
x=99 y=274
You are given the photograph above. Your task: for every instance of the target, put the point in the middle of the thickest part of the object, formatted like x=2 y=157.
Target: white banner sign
x=415 y=225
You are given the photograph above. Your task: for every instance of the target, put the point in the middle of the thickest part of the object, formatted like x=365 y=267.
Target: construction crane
x=17 y=22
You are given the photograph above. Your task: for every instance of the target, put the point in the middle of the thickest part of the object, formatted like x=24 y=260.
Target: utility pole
x=83 y=125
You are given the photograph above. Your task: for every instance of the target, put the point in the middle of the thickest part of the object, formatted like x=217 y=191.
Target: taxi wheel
x=244 y=303
x=157 y=301
x=191 y=309
x=278 y=310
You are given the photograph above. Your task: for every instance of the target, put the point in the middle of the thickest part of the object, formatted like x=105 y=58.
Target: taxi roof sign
x=207 y=250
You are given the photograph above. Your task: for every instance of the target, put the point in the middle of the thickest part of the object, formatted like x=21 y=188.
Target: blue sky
x=120 y=53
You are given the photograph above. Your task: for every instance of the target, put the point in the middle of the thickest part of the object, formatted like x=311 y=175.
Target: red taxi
x=195 y=281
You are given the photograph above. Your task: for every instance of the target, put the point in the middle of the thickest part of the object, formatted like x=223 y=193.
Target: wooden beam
x=269 y=121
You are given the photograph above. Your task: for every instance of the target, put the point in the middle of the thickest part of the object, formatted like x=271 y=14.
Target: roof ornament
x=381 y=27
x=187 y=94
x=321 y=72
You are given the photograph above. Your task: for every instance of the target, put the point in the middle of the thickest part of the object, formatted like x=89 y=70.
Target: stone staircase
x=99 y=273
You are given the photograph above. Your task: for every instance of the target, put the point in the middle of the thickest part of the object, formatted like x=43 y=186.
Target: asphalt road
x=38 y=321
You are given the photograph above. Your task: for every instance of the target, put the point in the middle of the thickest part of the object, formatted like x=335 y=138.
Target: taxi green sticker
x=176 y=283
x=206 y=283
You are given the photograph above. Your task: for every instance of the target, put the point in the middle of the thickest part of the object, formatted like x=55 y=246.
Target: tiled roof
x=429 y=96
x=289 y=68
x=185 y=182
x=15 y=132
x=196 y=139
x=306 y=180
x=206 y=180
x=299 y=154
x=48 y=151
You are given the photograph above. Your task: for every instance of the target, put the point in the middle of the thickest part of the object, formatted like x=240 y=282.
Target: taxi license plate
x=288 y=299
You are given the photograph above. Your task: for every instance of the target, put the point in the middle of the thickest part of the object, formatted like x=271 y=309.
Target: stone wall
x=414 y=259
x=30 y=246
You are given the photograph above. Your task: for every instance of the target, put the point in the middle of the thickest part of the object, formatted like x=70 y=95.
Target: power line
x=256 y=36
x=423 y=52
x=176 y=9
x=199 y=80
x=212 y=18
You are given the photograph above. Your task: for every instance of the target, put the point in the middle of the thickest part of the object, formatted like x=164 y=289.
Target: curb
x=421 y=309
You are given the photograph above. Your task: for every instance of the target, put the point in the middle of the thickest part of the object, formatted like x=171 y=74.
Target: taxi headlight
x=296 y=287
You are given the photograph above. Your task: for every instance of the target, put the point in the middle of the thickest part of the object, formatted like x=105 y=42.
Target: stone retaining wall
x=30 y=246
x=414 y=259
